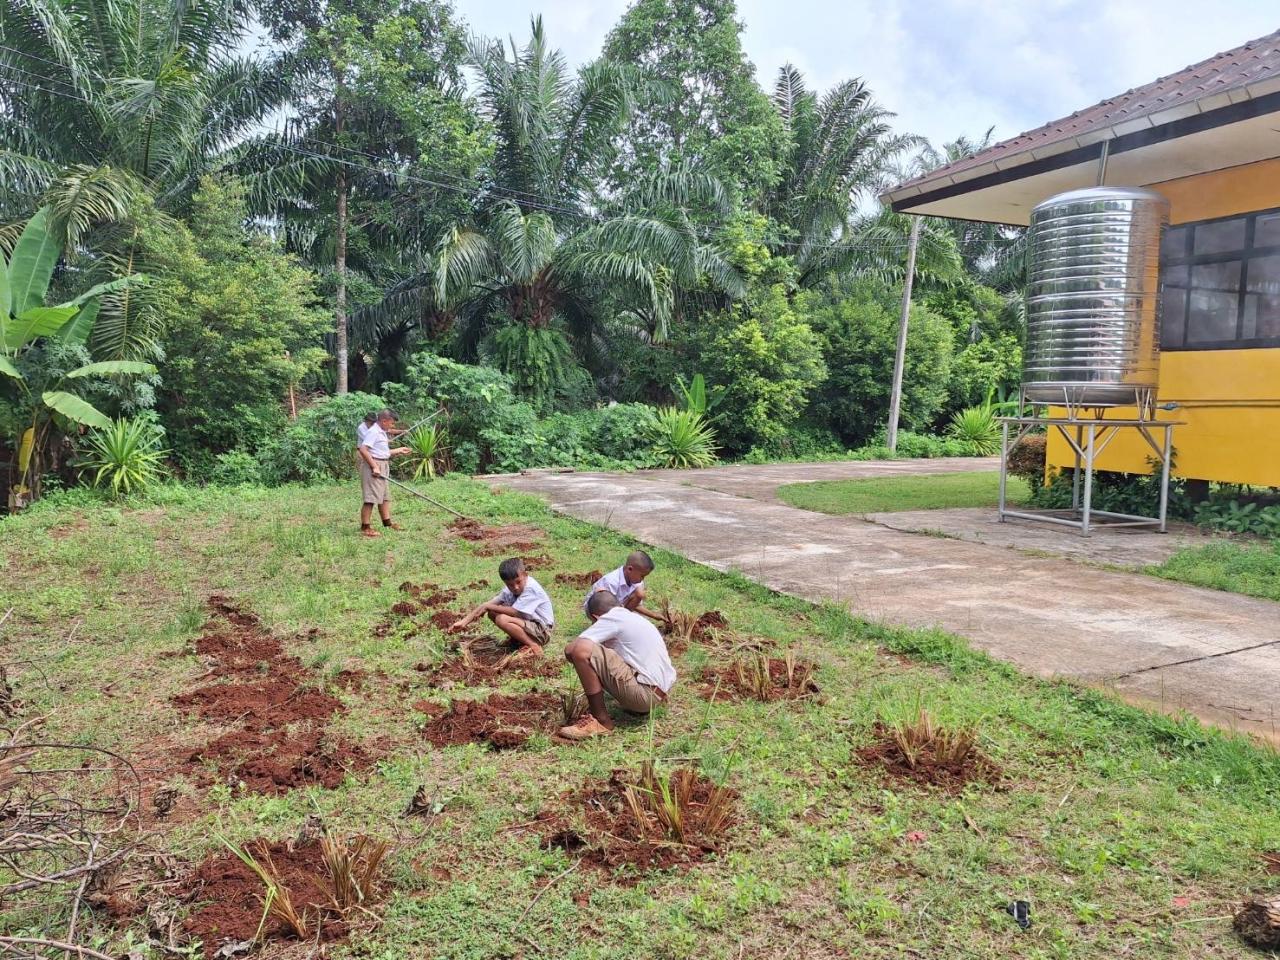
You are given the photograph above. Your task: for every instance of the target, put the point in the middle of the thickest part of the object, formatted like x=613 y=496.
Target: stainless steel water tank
x=1093 y=296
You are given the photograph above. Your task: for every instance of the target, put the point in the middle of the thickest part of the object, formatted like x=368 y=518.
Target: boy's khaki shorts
x=374 y=485
x=617 y=677
x=538 y=631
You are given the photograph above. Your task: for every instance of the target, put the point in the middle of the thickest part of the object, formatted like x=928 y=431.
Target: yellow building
x=1208 y=139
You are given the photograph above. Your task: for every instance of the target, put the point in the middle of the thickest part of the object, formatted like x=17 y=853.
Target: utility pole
x=895 y=398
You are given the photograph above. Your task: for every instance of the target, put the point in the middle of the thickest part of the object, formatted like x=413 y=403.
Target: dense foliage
x=539 y=254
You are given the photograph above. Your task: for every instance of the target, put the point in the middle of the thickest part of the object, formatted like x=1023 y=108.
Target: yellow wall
x=1228 y=399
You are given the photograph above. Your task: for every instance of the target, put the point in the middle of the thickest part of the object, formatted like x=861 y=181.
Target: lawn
x=1248 y=568
x=889 y=494
x=1131 y=834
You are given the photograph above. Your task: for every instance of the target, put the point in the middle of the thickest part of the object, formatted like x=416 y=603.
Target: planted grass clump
x=929 y=753
x=650 y=819
x=683 y=628
x=762 y=678
x=314 y=890
x=500 y=721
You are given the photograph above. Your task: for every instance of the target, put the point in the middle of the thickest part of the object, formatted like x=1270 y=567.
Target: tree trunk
x=1258 y=923
x=900 y=358
x=340 y=299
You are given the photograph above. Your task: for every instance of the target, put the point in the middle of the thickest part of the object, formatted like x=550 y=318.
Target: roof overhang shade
x=1002 y=185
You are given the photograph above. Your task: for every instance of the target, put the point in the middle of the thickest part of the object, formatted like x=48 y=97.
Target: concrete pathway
x=1164 y=644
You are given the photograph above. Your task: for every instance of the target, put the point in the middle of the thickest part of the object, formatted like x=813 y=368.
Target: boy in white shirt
x=522 y=610
x=375 y=466
x=623 y=654
x=627 y=584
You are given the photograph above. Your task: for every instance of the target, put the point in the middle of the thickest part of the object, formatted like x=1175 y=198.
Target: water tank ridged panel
x=1093 y=296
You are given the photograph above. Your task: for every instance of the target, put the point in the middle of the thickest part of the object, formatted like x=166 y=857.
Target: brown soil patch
x=1271 y=860
x=928 y=769
x=228 y=895
x=763 y=679
x=501 y=721
x=597 y=824
x=582 y=580
x=493 y=541
x=275 y=706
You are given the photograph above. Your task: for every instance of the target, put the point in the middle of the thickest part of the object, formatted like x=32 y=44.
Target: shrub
x=236 y=468
x=685 y=440
x=128 y=456
x=429 y=444
x=1027 y=459
x=1234 y=516
x=977 y=428
x=321 y=443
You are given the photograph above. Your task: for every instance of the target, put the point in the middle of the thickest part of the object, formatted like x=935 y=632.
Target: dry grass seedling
x=922 y=739
x=665 y=804
x=681 y=626
x=572 y=707
x=277 y=902
x=354 y=868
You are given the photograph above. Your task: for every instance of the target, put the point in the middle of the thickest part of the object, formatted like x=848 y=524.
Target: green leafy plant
x=128 y=455
x=430 y=446
x=684 y=439
x=978 y=427
x=1232 y=516
x=25 y=321
x=697 y=397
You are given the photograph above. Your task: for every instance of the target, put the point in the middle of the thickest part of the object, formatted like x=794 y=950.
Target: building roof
x=1227 y=78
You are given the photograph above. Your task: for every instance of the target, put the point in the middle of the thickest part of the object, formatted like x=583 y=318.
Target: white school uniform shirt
x=638 y=642
x=615 y=582
x=375 y=438
x=361 y=429
x=533 y=603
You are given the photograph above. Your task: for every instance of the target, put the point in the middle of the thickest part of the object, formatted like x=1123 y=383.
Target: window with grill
x=1220 y=284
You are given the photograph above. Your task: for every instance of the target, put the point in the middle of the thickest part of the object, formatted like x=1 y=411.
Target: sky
x=946 y=67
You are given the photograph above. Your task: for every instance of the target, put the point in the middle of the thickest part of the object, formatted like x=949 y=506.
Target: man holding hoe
x=375 y=466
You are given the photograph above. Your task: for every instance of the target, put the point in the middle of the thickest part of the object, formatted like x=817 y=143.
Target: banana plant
x=24 y=321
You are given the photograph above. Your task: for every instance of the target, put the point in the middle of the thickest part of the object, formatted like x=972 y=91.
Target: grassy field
x=1130 y=834
x=1249 y=568
x=889 y=494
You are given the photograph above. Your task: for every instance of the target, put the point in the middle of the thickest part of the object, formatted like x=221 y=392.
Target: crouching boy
x=623 y=654
x=522 y=610
x=627 y=584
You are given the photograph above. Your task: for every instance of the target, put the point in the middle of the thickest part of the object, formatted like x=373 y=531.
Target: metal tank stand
x=1088 y=437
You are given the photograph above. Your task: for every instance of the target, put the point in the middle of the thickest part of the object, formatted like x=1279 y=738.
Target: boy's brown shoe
x=369 y=532
x=586 y=728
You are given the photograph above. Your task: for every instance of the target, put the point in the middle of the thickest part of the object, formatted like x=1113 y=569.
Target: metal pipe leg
x=1004 y=467
x=1164 y=479
x=1088 y=484
x=1075 y=476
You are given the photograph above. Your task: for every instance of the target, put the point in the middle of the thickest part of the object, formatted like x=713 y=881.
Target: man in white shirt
x=522 y=610
x=375 y=466
x=621 y=653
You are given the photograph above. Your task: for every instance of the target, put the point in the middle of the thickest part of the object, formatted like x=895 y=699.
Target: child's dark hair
x=639 y=558
x=601 y=602
x=371 y=418
x=508 y=570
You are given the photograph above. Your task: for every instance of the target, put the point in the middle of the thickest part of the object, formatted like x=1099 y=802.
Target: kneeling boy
x=621 y=653
x=522 y=610
x=627 y=584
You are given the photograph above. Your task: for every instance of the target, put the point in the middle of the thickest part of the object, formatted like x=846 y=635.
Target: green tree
x=858 y=324
x=241 y=326
x=385 y=148
x=702 y=105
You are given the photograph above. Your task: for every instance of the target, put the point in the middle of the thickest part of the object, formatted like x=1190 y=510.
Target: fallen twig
x=554 y=881
x=54 y=945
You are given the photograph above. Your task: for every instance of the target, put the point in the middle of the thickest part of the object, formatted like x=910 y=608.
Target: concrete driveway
x=1164 y=644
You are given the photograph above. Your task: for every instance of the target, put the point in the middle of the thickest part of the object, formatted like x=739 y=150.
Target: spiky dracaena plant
x=685 y=440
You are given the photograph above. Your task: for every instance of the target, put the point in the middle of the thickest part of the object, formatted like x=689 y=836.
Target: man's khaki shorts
x=374 y=486
x=617 y=677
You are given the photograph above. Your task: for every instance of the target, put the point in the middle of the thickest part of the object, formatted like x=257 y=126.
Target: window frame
x=1191 y=260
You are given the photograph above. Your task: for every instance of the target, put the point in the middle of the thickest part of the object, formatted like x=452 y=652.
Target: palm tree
x=100 y=102
x=841 y=146
x=544 y=253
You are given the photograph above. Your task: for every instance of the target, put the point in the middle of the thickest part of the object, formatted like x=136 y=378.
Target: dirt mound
x=928 y=766
x=495 y=541
x=759 y=678
x=478 y=663
x=501 y=721
x=613 y=826
x=228 y=895
x=275 y=706
x=583 y=580
x=427 y=595
x=682 y=629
